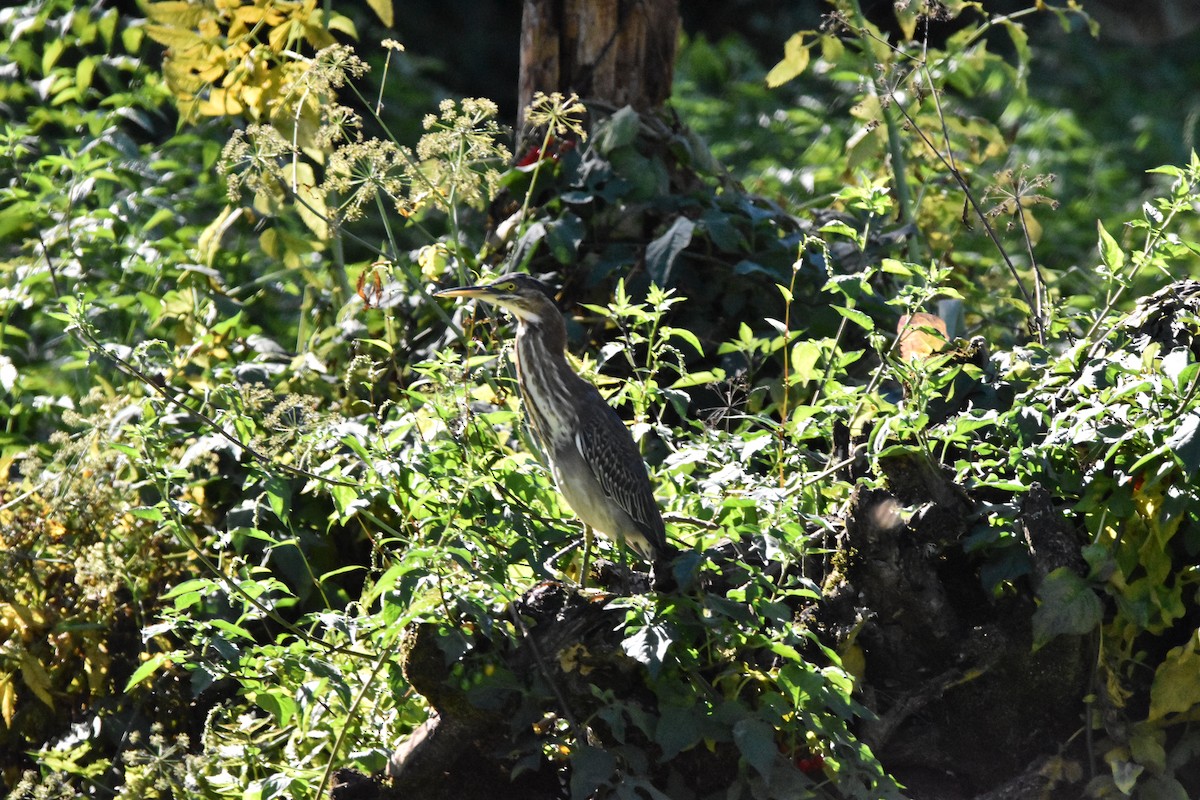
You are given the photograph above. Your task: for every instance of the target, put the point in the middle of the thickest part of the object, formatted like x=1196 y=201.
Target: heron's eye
x=509 y=287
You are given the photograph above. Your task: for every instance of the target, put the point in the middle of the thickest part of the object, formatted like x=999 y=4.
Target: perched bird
x=595 y=462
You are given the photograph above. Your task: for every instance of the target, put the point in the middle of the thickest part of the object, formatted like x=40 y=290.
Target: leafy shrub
x=327 y=460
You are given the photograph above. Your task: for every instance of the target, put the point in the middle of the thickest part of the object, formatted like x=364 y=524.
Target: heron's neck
x=549 y=387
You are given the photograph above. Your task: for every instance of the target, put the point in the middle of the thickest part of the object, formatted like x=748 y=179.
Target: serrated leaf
x=178 y=13
x=35 y=677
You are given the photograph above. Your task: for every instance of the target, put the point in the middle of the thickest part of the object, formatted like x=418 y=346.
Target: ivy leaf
x=1068 y=606
x=661 y=253
x=678 y=729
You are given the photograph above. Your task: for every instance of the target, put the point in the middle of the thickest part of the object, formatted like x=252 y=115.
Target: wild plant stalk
x=1153 y=242
x=895 y=144
x=945 y=155
x=789 y=295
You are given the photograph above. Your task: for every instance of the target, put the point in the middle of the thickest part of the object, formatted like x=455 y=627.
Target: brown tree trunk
x=611 y=52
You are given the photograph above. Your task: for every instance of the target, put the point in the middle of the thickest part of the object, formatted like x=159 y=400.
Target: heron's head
x=526 y=298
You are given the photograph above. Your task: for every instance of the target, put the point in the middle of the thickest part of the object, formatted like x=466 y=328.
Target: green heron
x=595 y=463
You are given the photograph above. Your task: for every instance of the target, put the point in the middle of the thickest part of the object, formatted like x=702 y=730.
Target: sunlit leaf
x=795 y=61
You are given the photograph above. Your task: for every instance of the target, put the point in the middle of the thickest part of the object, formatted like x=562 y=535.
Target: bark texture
x=611 y=53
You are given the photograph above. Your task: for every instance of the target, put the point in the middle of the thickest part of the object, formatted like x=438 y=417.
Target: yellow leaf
x=384 y=10
x=220 y=103
x=175 y=13
x=278 y=38
x=343 y=24
x=8 y=699
x=208 y=244
x=95 y=665
x=795 y=61
x=1176 y=686
x=36 y=678
x=1033 y=227
x=174 y=37
x=907 y=16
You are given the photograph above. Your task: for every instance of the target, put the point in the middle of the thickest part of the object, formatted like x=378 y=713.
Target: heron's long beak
x=484 y=292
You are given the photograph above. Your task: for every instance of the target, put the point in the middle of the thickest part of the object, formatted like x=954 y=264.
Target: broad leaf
x=661 y=253
x=1069 y=606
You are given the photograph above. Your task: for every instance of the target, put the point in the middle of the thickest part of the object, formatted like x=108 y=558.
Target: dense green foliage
x=247 y=454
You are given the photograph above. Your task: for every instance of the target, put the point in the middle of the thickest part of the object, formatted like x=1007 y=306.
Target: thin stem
x=1151 y=244
x=385 y=653
x=89 y=340
x=1040 y=294
x=895 y=144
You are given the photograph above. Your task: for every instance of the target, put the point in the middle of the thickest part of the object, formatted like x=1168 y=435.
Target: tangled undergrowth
x=279 y=463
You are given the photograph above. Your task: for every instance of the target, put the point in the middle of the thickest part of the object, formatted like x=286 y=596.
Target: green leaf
x=857 y=317
x=687 y=336
x=1069 y=606
x=661 y=253
x=1184 y=443
x=590 y=767
x=703 y=378
x=649 y=646
x=755 y=739
x=795 y=61
x=1110 y=252
x=236 y=631
x=678 y=729
x=563 y=237
x=148 y=668
x=278 y=704
x=1162 y=787
x=618 y=130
